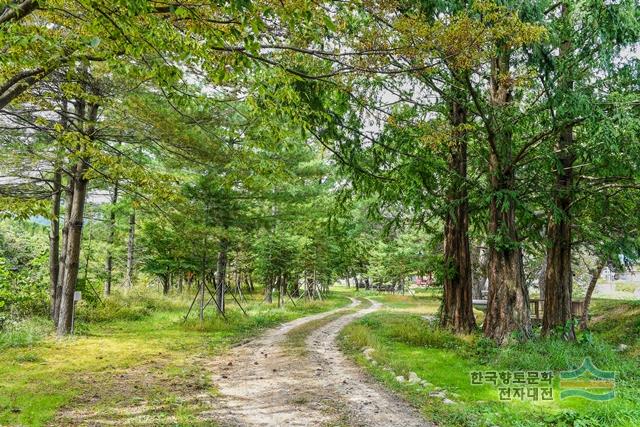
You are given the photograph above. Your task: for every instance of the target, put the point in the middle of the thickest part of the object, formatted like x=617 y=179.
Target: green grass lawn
x=124 y=352
x=405 y=341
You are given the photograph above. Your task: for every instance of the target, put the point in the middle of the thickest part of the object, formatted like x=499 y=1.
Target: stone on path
x=414 y=378
x=367 y=353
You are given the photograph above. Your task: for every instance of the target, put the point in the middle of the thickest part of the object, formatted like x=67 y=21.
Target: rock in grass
x=448 y=401
x=400 y=379
x=414 y=378
x=438 y=394
x=367 y=353
x=622 y=347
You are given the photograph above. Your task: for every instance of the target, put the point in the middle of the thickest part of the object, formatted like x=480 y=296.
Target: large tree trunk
x=558 y=277
x=508 y=300
x=457 y=304
x=558 y=280
x=63 y=246
x=72 y=256
x=221 y=274
x=595 y=275
x=131 y=245
x=111 y=237
x=54 y=239
x=87 y=114
x=60 y=254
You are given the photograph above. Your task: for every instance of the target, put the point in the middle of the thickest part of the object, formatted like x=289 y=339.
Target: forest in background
x=203 y=170
x=292 y=144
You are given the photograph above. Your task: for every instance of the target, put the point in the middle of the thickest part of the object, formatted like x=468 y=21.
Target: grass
x=295 y=342
x=405 y=341
x=617 y=322
x=140 y=354
x=24 y=333
x=296 y=337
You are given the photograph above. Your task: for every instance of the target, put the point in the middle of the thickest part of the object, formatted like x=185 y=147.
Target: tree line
x=510 y=126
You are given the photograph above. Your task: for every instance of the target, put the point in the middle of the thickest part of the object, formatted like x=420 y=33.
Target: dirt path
x=263 y=384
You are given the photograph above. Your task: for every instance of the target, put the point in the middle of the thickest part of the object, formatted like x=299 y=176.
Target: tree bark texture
x=110 y=239
x=558 y=276
x=508 y=299
x=54 y=240
x=131 y=246
x=457 y=303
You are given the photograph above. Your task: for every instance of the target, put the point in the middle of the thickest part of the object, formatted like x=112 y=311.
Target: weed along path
x=295 y=375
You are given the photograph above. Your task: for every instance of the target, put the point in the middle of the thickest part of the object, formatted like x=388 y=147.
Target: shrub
x=414 y=330
x=22 y=292
x=24 y=333
x=133 y=306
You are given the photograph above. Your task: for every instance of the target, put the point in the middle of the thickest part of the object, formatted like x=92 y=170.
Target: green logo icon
x=587 y=382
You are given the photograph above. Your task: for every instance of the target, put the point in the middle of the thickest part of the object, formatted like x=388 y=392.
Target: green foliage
x=412 y=330
x=23 y=271
x=178 y=351
x=24 y=333
x=405 y=342
x=278 y=254
x=130 y=307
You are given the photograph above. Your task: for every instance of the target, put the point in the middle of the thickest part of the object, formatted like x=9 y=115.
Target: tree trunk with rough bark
x=457 y=304
x=54 y=240
x=72 y=256
x=63 y=246
x=508 y=299
x=111 y=224
x=87 y=114
x=558 y=277
x=131 y=246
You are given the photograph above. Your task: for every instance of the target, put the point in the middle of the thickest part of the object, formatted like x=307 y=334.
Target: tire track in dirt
x=263 y=384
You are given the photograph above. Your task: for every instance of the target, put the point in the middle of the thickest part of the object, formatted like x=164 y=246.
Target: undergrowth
x=405 y=342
